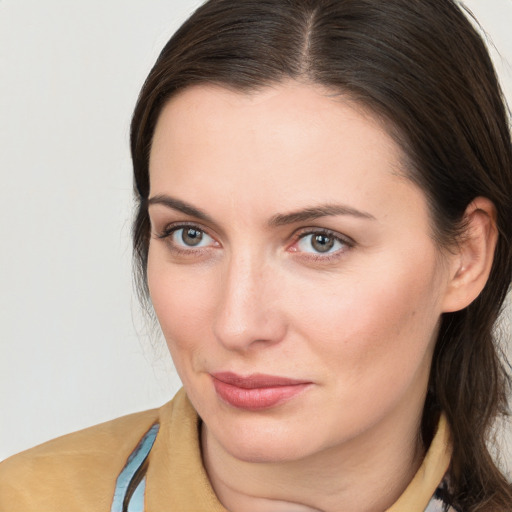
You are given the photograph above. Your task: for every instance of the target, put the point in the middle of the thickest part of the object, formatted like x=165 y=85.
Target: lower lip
x=258 y=398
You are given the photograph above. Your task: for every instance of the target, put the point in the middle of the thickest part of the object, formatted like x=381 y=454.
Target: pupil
x=322 y=243
x=191 y=236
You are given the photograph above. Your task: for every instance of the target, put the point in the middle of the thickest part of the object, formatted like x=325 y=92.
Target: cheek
x=377 y=325
x=182 y=299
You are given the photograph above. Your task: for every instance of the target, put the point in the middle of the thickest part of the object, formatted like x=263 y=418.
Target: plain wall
x=73 y=347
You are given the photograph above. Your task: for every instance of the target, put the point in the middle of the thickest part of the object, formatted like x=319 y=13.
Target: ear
x=471 y=261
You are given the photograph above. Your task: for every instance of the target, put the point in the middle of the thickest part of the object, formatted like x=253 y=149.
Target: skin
x=358 y=322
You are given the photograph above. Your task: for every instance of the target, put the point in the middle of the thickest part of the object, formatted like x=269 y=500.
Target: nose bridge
x=247 y=312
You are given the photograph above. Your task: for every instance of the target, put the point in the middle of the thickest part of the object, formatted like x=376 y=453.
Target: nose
x=249 y=313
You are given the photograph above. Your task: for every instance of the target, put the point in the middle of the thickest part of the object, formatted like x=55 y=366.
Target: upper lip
x=256 y=380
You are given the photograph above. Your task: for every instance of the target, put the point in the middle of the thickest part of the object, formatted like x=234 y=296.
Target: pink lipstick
x=257 y=391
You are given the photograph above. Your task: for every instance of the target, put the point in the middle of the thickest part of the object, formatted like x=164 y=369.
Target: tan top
x=78 y=472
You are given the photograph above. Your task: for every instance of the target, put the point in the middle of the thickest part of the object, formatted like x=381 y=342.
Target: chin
x=265 y=445
x=264 y=453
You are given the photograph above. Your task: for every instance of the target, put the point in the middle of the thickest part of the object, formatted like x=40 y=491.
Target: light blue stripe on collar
x=132 y=467
x=136 y=503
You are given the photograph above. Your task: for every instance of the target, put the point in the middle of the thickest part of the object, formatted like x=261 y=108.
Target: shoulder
x=75 y=472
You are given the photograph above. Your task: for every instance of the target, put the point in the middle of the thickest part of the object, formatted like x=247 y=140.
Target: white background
x=73 y=347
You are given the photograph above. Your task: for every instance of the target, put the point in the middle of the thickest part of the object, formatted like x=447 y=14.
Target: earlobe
x=472 y=261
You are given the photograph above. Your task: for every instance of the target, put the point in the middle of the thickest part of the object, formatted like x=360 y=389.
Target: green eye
x=320 y=243
x=190 y=237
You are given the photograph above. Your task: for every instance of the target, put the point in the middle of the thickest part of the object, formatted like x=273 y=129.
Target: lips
x=257 y=391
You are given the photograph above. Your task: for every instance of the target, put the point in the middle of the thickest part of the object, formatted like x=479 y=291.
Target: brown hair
x=422 y=66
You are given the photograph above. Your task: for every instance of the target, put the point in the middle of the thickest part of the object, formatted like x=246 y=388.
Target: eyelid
x=347 y=242
x=302 y=232
x=170 y=228
x=166 y=233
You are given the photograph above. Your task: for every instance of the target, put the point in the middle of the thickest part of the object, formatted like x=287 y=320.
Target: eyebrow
x=180 y=206
x=303 y=215
x=317 y=212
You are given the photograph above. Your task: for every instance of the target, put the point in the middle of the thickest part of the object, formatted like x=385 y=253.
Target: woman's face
x=292 y=269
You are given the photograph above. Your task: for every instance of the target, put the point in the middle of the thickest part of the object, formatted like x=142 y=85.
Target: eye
x=321 y=242
x=187 y=237
x=190 y=237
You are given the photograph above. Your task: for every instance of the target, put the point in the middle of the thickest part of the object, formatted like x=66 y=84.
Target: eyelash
x=169 y=230
x=344 y=240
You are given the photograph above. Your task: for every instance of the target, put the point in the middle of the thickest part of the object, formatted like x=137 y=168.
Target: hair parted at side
x=422 y=67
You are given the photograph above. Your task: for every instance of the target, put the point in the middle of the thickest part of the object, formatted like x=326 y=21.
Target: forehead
x=293 y=138
x=285 y=112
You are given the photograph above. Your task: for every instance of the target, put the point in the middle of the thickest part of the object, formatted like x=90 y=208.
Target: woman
x=323 y=230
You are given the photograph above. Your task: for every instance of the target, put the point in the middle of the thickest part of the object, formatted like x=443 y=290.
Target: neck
x=366 y=474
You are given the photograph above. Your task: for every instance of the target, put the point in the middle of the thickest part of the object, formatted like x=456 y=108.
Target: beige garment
x=78 y=472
